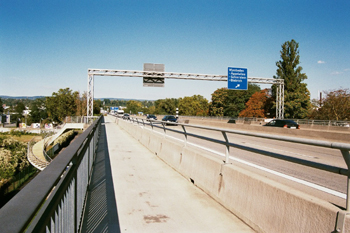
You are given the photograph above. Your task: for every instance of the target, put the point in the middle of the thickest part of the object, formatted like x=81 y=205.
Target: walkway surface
x=132 y=190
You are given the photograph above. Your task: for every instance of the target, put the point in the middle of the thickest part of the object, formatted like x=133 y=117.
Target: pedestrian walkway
x=36 y=157
x=132 y=190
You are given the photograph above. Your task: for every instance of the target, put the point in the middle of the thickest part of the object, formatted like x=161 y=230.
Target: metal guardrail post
x=346 y=156
x=227 y=147
x=185 y=132
x=163 y=124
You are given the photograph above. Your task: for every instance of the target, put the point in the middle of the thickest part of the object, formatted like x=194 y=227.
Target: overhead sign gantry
x=187 y=76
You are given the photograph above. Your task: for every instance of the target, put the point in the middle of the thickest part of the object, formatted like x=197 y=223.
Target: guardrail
x=343 y=147
x=80 y=119
x=53 y=201
x=256 y=119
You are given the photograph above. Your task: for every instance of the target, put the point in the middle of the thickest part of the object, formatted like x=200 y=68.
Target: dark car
x=126 y=116
x=170 y=118
x=151 y=117
x=283 y=123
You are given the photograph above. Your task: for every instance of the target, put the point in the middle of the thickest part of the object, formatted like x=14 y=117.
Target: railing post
x=346 y=156
x=164 y=129
x=227 y=147
x=185 y=133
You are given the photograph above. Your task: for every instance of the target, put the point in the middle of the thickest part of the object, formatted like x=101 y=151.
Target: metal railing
x=343 y=147
x=45 y=145
x=80 y=119
x=257 y=119
x=53 y=201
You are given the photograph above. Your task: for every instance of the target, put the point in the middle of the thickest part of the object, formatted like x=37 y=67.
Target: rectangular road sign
x=154 y=70
x=237 y=78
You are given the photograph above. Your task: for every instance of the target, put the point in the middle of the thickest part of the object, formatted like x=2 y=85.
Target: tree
x=335 y=106
x=296 y=94
x=257 y=105
x=97 y=107
x=231 y=102
x=1 y=108
x=61 y=104
x=217 y=104
x=196 y=105
x=166 y=106
x=38 y=111
x=81 y=103
x=19 y=108
x=133 y=106
x=151 y=110
x=107 y=102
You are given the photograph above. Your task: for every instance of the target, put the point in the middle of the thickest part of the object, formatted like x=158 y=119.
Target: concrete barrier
x=265 y=205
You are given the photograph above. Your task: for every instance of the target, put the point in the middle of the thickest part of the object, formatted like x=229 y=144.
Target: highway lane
x=325 y=185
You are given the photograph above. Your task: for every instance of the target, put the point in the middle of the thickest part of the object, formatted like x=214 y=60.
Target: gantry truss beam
x=188 y=76
x=173 y=75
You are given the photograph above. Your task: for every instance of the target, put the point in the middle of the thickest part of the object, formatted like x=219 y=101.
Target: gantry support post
x=90 y=96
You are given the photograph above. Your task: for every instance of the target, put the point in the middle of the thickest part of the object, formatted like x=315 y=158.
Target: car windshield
x=273 y=122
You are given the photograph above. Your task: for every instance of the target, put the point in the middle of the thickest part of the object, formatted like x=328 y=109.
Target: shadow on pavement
x=101 y=213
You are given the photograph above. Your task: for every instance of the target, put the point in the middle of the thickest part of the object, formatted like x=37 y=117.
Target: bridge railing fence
x=54 y=200
x=344 y=148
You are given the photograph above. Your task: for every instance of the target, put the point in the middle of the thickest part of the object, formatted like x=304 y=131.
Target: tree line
x=224 y=102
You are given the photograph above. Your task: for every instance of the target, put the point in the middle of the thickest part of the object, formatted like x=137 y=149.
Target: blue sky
x=48 y=45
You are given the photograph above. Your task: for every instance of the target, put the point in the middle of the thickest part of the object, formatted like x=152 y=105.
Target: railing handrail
x=321 y=143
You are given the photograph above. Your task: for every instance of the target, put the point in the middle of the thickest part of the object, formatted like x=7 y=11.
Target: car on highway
x=126 y=116
x=170 y=118
x=283 y=124
x=151 y=117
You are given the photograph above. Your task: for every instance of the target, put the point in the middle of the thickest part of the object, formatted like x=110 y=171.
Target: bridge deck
x=132 y=190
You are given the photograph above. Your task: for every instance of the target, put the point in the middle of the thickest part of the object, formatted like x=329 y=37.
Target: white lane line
x=283 y=151
x=309 y=184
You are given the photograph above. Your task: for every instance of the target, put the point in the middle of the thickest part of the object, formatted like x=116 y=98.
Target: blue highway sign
x=237 y=78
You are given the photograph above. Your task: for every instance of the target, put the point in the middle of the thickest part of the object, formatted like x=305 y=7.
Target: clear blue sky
x=48 y=45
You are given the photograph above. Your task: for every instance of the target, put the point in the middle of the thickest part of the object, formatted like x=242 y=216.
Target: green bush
x=13 y=157
x=65 y=138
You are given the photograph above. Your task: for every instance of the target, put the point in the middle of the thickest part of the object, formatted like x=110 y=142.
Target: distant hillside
x=37 y=97
x=121 y=99
x=21 y=97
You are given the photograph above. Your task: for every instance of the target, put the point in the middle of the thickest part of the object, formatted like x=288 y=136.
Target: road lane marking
x=284 y=151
